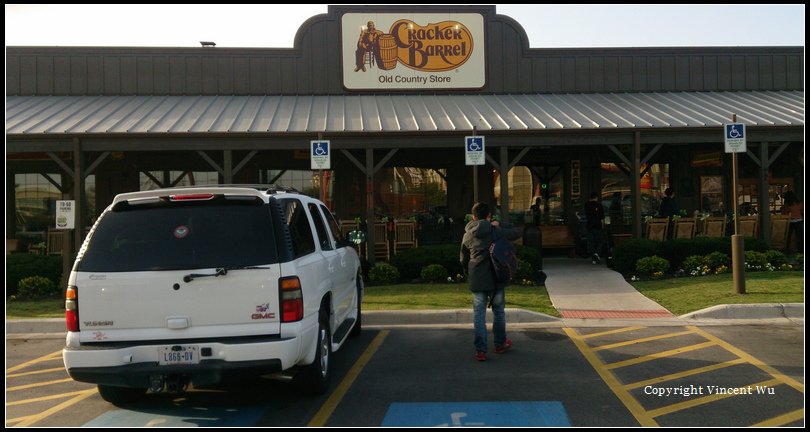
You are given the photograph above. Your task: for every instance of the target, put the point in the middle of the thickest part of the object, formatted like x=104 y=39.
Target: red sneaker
x=504 y=348
x=480 y=356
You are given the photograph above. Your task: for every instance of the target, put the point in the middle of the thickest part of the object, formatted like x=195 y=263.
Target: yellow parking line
x=44 y=398
x=76 y=399
x=320 y=418
x=40 y=384
x=608 y=332
x=37 y=372
x=683 y=374
x=641 y=340
x=669 y=409
x=632 y=405
x=750 y=359
x=659 y=355
x=46 y=357
x=783 y=419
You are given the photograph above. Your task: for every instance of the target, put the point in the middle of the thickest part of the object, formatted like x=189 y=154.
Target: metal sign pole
x=737 y=243
x=475 y=176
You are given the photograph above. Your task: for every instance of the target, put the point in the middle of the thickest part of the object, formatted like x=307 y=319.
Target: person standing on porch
x=668 y=209
x=793 y=207
x=594 y=220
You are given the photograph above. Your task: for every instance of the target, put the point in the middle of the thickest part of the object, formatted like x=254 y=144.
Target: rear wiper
x=222 y=271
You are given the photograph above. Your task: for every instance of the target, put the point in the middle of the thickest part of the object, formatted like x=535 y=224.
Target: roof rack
x=274 y=189
x=268 y=188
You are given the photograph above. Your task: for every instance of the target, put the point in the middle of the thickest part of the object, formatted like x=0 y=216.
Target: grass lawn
x=679 y=295
x=690 y=294
x=451 y=296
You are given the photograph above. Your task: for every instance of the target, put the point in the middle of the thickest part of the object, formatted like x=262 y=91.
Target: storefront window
x=411 y=193
x=35 y=204
x=616 y=195
x=526 y=186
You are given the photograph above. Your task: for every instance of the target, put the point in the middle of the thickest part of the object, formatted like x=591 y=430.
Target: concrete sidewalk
x=586 y=295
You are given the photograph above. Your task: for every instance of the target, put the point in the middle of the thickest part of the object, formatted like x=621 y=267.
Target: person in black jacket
x=477 y=265
x=669 y=208
x=594 y=219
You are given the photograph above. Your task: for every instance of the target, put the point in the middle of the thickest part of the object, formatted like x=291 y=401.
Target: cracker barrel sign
x=415 y=51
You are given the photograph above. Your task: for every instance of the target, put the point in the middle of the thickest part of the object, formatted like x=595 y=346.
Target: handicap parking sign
x=319 y=155
x=474 y=150
x=734 y=137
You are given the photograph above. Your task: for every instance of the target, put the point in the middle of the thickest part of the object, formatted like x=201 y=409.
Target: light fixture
x=207 y=44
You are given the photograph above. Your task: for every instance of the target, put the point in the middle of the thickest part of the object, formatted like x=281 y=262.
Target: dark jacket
x=474 y=254
x=668 y=208
x=594 y=214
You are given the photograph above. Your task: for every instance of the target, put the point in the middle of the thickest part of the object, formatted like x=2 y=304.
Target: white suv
x=203 y=284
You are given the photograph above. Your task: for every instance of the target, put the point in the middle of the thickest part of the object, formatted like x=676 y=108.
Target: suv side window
x=323 y=237
x=333 y=225
x=296 y=219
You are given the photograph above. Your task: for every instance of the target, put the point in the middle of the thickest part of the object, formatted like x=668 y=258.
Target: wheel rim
x=324 y=341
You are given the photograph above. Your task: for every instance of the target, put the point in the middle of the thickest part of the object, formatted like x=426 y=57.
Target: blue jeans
x=480 y=299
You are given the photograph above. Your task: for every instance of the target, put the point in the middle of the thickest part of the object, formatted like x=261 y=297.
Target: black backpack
x=504 y=258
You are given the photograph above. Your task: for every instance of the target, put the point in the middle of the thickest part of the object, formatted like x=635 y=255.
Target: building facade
x=396 y=91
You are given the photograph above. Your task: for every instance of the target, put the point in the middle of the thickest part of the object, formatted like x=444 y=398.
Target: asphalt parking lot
x=406 y=377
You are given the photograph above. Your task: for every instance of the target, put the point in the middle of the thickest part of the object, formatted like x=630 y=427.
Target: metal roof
x=54 y=115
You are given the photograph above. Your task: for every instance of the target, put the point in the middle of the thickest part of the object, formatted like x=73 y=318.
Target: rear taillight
x=292 y=301
x=72 y=309
x=191 y=197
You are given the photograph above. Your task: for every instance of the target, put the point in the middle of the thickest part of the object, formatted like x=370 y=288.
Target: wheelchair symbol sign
x=474 y=150
x=319 y=155
x=735 y=137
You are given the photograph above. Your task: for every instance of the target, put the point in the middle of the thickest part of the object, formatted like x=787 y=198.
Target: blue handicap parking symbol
x=476 y=414
x=735 y=131
x=475 y=144
x=320 y=148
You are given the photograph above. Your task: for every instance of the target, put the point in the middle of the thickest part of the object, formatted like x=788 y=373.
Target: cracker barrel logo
x=435 y=47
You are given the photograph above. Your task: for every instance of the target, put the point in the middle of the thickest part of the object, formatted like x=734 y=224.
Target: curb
x=750 y=311
x=765 y=313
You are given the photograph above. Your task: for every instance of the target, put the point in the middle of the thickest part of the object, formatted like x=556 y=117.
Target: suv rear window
x=179 y=236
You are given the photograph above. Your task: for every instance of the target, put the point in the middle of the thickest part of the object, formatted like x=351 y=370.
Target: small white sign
x=320 y=158
x=65 y=214
x=735 y=137
x=474 y=150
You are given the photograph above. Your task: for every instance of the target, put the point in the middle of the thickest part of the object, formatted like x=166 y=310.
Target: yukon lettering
x=97 y=323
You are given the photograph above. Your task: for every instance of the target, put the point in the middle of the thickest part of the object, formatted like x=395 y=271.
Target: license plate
x=179 y=355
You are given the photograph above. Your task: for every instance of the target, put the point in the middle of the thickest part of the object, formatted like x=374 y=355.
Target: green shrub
x=695 y=265
x=21 y=266
x=775 y=258
x=383 y=273
x=717 y=259
x=410 y=262
x=530 y=255
x=434 y=273
x=756 y=261
x=653 y=266
x=37 y=287
x=525 y=271
x=627 y=254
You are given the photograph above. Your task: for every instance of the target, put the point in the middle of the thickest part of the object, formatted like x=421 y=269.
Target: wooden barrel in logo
x=388 y=52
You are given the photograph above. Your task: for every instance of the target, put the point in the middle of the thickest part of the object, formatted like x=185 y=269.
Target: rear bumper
x=131 y=365
x=207 y=372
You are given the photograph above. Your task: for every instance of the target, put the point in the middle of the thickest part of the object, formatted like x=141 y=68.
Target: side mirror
x=357 y=237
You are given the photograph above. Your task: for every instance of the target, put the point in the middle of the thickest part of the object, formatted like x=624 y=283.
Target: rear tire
x=314 y=379
x=119 y=396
